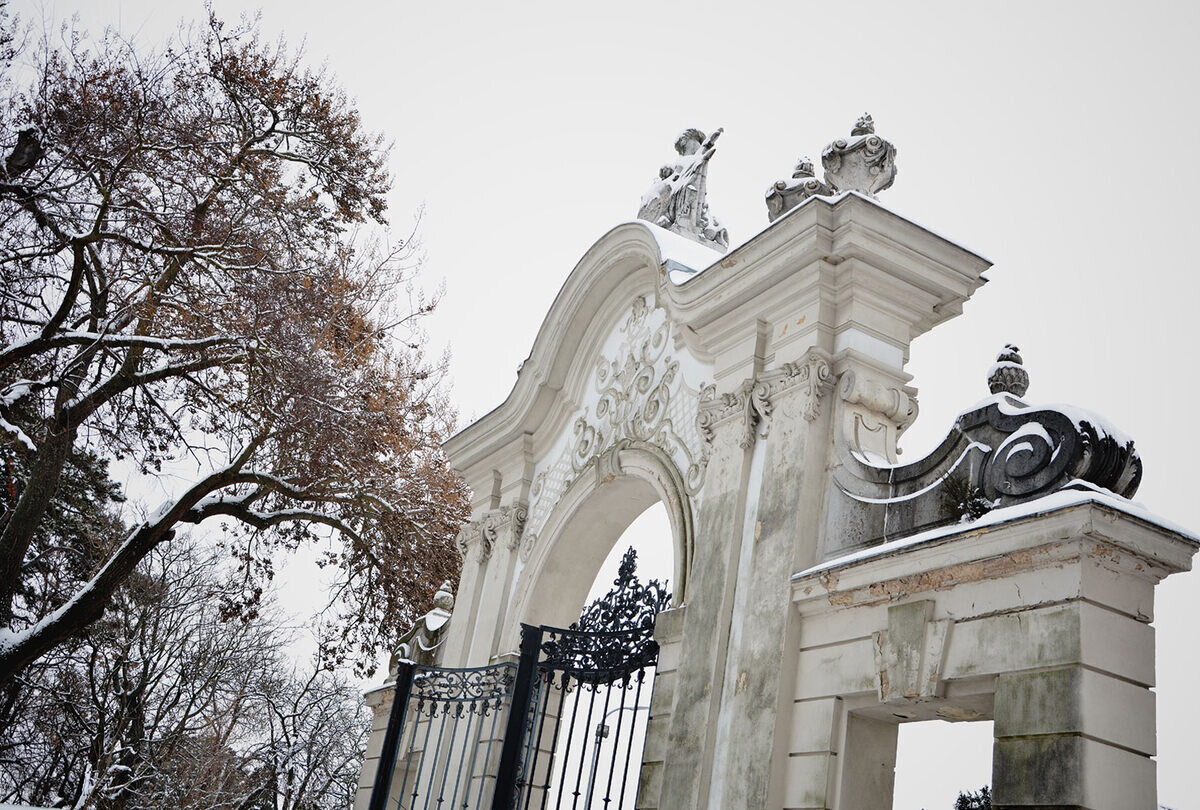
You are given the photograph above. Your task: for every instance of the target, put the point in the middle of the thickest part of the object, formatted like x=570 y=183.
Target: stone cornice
x=980 y=549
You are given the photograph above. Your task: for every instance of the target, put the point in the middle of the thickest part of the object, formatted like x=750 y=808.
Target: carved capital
x=481 y=534
x=811 y=376
x=754 y=401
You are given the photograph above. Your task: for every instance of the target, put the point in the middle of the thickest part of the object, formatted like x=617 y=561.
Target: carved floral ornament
x=481 y=534
x=753 y=402
x=639 y=395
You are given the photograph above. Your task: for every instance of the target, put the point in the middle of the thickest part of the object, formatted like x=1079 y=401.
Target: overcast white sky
x=1054 y=138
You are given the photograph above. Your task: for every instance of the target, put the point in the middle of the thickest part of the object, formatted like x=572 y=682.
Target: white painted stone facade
x=760 y=395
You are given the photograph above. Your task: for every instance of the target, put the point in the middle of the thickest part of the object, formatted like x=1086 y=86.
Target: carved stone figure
x=420 y=644
x=677 y=200
x=864 y=162
x=784 y=195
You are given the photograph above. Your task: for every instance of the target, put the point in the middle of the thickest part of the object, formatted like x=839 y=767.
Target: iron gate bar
x=514 y=735
x=391 y=738
x=637 y=699
x=548 y=688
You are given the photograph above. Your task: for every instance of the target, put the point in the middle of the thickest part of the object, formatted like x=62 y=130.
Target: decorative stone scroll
x=753 y=402
x=422 y=642
x=784 y=195
x=639 y=395
x=481 y=534
x=1000 y=453
x=864 y=162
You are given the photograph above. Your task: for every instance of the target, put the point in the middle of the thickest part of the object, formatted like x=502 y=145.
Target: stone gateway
x=823 y=593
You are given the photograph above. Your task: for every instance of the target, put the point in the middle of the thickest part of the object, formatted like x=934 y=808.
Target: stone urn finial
x=1008 y=374
x=864 y=162
x=865 y=125
x=784 y=195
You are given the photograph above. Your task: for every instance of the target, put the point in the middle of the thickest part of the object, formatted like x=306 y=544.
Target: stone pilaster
x=491 y=544
x=700 y=674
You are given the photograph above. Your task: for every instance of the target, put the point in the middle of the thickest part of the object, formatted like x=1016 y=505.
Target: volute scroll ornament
x=784 y=195
x=1002 y=452
x=864 y=162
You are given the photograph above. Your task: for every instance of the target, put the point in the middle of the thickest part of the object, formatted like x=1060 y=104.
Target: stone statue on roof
x=677 y=201
x=864 y=162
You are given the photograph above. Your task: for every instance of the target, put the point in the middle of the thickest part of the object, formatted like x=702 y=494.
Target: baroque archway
x=824 y=592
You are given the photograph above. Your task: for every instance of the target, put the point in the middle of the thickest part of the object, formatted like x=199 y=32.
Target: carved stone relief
x=479 y=536
x=753 y=402
x=638 y=394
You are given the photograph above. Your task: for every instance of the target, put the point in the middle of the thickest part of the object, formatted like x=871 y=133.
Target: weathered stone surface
x=784 y=195
x=1001 y=453
x=864 y=162
x=678 y=199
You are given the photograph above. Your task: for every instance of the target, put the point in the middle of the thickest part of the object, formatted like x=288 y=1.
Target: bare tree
x=186 y=288
x=163 y=704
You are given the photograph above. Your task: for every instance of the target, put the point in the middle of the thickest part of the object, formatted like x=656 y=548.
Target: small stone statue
x=864 y=162
x=784 y=195
x=420 y=644
x=677 y=200
x=1007 y=374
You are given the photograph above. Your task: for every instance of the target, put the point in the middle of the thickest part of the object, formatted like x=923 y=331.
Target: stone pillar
x=868 y=766
x=379 y=701
x=778 y=528
x=489 y=547
x=668 y=632
x=1073 y=737
x=687 y=773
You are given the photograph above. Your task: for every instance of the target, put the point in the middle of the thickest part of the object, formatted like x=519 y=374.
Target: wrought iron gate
x=559 y=729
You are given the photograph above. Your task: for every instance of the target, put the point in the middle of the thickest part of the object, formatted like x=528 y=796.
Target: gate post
x=391 y=738
x=514 y=733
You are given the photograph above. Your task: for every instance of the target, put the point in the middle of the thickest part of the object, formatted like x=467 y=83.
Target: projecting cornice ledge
x=1046 y=532
x=846 y=231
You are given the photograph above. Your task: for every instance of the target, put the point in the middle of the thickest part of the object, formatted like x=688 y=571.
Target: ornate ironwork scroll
x=446 y=727
x=615 y=634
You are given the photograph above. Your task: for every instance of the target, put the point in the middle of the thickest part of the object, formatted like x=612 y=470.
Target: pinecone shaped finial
x=1008 y=375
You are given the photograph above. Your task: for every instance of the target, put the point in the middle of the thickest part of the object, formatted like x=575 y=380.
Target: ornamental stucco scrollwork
x=754 y=401
x=638 y=393
x=481 y=534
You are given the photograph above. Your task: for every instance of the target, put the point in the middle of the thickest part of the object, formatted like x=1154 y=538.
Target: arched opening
x=650 y=536
x=587 y=524
x=600 y=731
